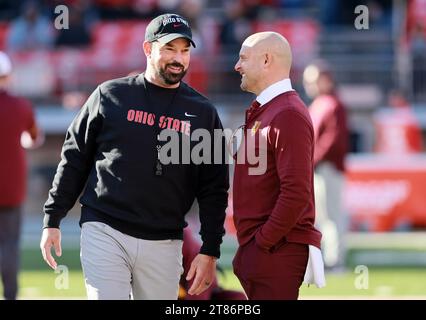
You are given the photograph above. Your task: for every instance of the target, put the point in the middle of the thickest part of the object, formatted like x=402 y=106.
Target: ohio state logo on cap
x=168 y=27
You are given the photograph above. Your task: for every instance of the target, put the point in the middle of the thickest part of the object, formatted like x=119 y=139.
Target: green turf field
x=37 y=281
x=383 y=284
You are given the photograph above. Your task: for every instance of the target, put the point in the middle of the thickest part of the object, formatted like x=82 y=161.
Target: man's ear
x=267 y=59
x=147 y=48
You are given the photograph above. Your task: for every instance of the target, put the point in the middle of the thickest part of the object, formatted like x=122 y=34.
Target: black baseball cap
x=168 y=27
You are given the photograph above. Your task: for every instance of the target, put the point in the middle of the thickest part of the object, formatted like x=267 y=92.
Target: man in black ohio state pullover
x=110 y=152
x=134 y=202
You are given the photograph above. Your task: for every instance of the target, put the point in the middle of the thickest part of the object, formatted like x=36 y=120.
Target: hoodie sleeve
x=77 y=158
x=212 y=194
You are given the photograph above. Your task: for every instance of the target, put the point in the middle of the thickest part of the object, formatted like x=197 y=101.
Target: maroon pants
x=275 y=275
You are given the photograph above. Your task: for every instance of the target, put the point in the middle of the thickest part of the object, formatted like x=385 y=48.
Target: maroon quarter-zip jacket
x=277 y=206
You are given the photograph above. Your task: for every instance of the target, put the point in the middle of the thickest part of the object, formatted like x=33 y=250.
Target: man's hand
x=50 y=237
x=204 y=269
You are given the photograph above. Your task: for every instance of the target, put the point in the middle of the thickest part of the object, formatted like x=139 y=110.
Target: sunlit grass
x=381 y=283
x=48 y=284
x=38 y=281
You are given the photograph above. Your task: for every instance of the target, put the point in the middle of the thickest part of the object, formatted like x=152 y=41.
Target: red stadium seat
x=4 y=29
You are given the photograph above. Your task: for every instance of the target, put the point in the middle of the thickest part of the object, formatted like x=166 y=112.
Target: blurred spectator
x=331 y=142
x=130 y=9
x=380 y=13
x=16 y=119
x=235 y=28
x=146 y=8
x=398 y=131
x=291 y=4
x=334 y=12
x=115 y=9
x=418 y=56
x=31 y=30
x=193 y=9
x=168 y=5
x=78 y=33
x=252 y=8
x=329 y=12
x=87 y=9
x=9 y=9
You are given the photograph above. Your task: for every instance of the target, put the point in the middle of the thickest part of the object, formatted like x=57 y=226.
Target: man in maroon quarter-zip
x=274 y=208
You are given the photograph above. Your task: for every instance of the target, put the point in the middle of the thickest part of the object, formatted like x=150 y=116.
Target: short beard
x=243 y=87
x=172 y=78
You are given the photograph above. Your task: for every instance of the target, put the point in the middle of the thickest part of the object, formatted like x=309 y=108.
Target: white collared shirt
x=274 y=90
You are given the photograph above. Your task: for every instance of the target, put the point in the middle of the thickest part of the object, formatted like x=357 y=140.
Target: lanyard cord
x=158 y=169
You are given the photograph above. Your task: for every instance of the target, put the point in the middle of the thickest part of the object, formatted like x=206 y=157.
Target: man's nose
x=178 y=58
x=237 y=66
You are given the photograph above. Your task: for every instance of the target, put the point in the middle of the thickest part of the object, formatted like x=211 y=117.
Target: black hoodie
x=110 y=152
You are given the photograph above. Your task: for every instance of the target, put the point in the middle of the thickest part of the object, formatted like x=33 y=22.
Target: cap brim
x=173 y=36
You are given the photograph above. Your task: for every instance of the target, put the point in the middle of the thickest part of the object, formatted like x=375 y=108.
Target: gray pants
x=117 y=266
x=331 y=218
x=10 y=223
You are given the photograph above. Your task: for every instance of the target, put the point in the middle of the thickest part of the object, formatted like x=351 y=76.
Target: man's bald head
x=265 y=58
x=272 y=43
